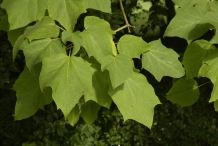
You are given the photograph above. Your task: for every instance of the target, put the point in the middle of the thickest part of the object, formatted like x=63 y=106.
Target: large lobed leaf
x=136 y=99
x=102 y=5
x=69 y=78
x=161 y=61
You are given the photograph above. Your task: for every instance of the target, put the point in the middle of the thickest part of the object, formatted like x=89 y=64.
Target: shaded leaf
x=161 y=61
x=29 y=96
x=184 y=92
x=100 y=85
x=90 y=111
x=136 y=99
x=73 y=116
x=194 y=56
x=75 y=37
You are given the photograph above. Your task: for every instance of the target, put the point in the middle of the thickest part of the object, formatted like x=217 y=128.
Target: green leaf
x=188 y=24
x=73 y=116
x=100 y=85
x=75 y=37
x=97 y=38
x=90 y=111
x=69 y=78
x=22 y=12
x=194 y=56
x=209 y=70
x=136 y=99
x=216 y=105
x=184 y=92
x=161 y=61
x=132 y=46
x=13 y=35
x=120 y=68
x=37 y=50
x=188 y=3
x=45 y=28
x=42 y=29
x=66 y=12
x=4 y=24
x=29 y=96
x=101 y=5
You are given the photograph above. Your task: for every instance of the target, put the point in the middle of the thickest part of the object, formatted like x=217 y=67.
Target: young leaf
x=194 y=56
x=97 y=38
x=184 y=92
x=100 y=85
x=209 y=70
x=161 y=61
x=132 y=46
x=37 y=50
x=45 y=28
x=120 y=68
x=75 y=37
x=136 y=99
x=69 y=78
x=29 y=96
x=90 y=111
x=101 y=5
x=73 y=116
x=66 y=12
x=22 y=12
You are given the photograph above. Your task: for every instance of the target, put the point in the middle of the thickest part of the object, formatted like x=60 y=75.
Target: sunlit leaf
x=102 y=5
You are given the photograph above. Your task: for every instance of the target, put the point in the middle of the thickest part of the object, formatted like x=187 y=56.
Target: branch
x=125 y=18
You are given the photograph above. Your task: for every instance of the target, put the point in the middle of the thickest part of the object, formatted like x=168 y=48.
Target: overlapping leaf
x=132 y=46
x=90 y=111
x=75 y=37
x=66 y=12
x=120 y=68
x=209 y=70
x=161 y=61
x=69 y=78
x=102 y=5
x=194 y=56
x=22 y=12
x=42 y=29
x=136 y=99
x=184 y=92
x=29 y=96
x=216 y=105
x=97 y=38
x=192 y=22
x=188 y=3
x=100 y=85
x=45 y=28
x=37 y=50
x=74 y=115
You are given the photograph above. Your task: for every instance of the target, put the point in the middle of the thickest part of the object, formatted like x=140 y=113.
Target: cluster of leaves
x=82 y=70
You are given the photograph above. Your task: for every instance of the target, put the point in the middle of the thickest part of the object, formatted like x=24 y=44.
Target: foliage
x=62 y=59
x=68 y=61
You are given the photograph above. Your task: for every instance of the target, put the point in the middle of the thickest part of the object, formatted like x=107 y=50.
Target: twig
x=125 y=18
